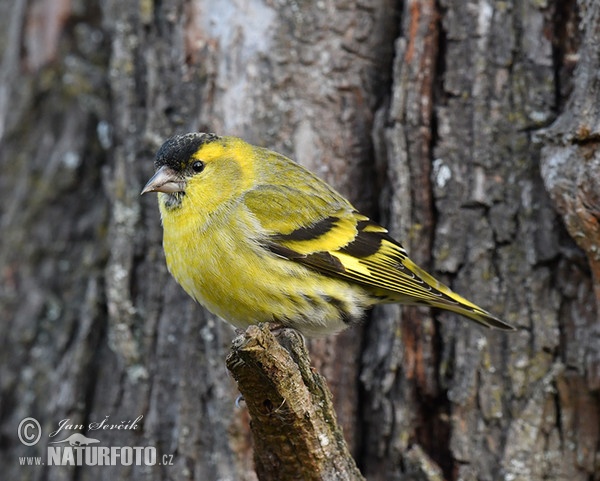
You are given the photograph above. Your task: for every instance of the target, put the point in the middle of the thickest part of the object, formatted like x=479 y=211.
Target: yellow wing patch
x=360 y=251
x=329 y=236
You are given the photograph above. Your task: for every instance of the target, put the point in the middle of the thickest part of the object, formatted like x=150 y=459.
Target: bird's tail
x=442 y=297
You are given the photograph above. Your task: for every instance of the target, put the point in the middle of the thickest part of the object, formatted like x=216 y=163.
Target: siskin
x=255 y=237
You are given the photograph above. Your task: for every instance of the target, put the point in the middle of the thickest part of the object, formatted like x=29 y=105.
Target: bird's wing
x=325 y=233
x=304 y=220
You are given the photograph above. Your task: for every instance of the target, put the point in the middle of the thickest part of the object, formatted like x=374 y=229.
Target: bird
x=256 y=238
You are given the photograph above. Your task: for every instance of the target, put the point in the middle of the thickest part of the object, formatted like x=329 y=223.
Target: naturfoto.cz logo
x=78 y=449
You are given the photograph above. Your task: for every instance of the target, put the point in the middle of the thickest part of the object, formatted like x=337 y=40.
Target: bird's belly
x=245 y=284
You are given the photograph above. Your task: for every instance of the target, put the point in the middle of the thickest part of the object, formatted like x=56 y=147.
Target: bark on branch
x=295 y=431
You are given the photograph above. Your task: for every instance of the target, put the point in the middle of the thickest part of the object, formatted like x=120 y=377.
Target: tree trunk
x=445 y=121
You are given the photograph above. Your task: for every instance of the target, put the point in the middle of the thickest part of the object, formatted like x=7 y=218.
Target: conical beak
x=164 y=180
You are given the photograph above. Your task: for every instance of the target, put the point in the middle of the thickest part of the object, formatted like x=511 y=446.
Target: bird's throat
x=171 y=201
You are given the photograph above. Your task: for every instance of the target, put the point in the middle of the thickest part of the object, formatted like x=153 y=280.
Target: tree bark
x=484 y=405
x=570 y=163
x=294 y=426
x=466 y=128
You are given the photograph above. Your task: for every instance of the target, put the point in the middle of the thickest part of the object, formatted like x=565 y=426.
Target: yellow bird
x=254 y=237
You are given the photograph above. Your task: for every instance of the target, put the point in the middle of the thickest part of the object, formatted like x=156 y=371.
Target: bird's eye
x=198 y=166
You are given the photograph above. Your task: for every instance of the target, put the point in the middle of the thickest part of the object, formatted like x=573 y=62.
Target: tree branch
x=295 y=431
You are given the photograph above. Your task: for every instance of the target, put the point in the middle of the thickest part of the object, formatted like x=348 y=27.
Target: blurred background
x=470 y=129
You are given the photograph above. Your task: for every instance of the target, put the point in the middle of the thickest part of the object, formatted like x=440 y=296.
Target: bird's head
x=204 y=170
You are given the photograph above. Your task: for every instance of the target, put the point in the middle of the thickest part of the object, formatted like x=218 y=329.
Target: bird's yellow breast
x=197 y=252
x=255 y=237
x=224 y=268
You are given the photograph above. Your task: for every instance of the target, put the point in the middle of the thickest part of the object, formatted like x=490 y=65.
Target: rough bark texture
x=294 y=426
x=466 y=127
x=570 y=157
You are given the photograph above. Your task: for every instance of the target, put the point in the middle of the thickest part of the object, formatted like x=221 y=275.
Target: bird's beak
x=165 y=180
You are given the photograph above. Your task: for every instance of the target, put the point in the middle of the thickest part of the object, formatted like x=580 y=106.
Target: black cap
x=176 y=152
